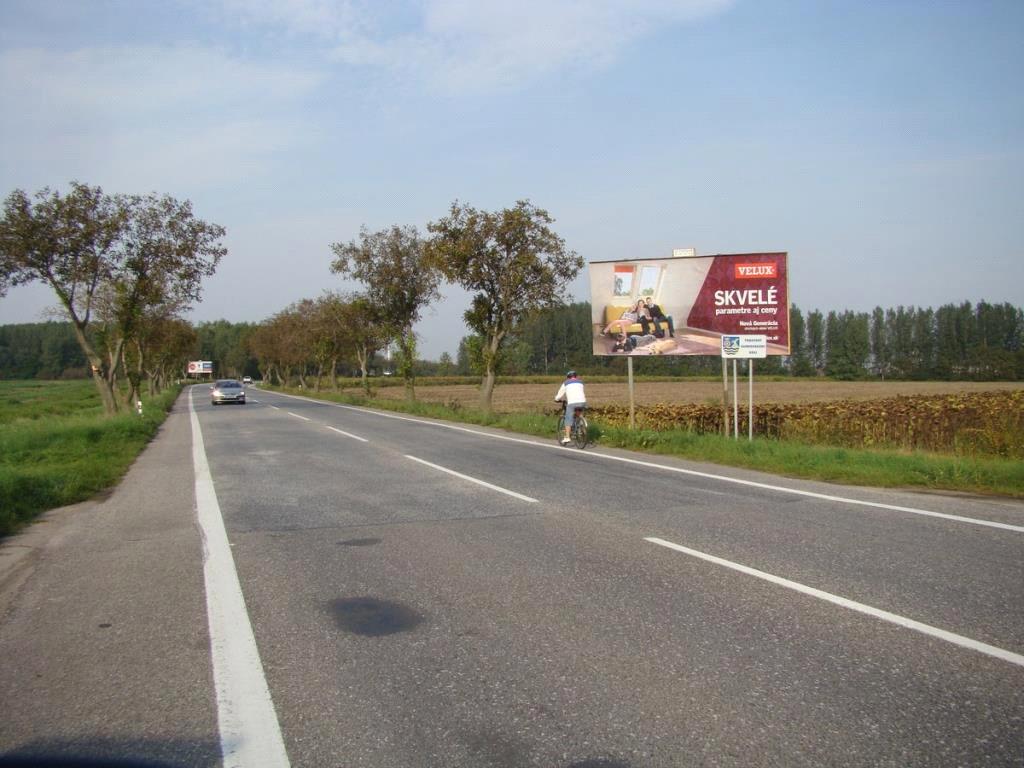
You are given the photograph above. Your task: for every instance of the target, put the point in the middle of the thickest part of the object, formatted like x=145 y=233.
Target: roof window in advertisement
x=650 y=279
x=623 y=280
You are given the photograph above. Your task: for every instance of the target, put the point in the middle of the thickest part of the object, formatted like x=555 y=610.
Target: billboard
x=199 y=367
x=684 y=305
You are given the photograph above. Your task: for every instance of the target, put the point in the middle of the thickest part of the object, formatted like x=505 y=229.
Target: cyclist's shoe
x=566 y=441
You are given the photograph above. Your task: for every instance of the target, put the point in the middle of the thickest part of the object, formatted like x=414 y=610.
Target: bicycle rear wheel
x=579 y=432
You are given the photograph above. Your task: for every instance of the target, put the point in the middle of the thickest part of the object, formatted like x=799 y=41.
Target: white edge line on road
x=304 y=418
x=878 y=613
x=250 y=734
x=473 y=479
x=348 y=434
x=680 y=470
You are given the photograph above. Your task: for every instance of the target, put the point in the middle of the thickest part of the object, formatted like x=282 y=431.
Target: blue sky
x=880 y=143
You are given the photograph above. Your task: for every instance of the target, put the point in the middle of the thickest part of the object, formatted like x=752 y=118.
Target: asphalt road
x=423 y=594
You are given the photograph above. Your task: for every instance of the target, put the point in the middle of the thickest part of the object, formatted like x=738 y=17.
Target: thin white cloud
x=145 y=115
x=147 y=79
x=477 y=42
x=474 y=44
x=326 y=19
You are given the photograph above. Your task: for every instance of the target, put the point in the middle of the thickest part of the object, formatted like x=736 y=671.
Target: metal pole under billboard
x=725 y=397
x=632 y=410
x=750 y=402
x=735 y=404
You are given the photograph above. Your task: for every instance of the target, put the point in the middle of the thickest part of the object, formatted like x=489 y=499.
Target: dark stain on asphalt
x=358 y=542
x=105 y=626
x=371 y=617
x=497 y=750
x=599 y=762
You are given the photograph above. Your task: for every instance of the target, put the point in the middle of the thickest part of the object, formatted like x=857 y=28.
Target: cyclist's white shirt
x=571 y=392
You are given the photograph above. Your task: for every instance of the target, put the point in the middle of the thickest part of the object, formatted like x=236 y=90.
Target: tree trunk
x=490 y=373
x=334 y=374
x=408 y=344
x=106 y=392
x=487 y=389
x=363 y=355
x=131 y=394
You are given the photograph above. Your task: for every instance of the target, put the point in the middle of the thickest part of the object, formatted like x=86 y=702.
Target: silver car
x=227 y=391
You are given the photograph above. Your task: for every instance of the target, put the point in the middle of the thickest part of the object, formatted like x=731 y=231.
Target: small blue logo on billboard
x=730 y=345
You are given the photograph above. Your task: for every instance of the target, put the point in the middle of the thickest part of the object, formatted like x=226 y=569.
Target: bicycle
x=578 y=435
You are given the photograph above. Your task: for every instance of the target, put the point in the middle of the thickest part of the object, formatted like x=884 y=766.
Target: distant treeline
x=50 y=351
x=40 y=351
x=981 y=342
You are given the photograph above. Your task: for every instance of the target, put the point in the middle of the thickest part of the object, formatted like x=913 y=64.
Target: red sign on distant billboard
x=753 y=271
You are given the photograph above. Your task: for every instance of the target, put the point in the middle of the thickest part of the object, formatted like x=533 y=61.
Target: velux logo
x=765 y=269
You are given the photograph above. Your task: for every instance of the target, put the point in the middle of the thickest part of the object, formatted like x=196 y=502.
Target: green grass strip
x=48 y=460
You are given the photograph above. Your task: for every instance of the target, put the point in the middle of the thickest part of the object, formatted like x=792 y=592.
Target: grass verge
x=54 y=454
x=847 y=466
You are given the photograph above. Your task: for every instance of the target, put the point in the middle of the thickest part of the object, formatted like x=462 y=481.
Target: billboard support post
x=735 y=404
x=632 y=406
x=725 y=398
x=750 y=402
x=748 y=347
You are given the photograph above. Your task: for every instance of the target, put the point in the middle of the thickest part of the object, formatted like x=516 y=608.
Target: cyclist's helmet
x=571 y=375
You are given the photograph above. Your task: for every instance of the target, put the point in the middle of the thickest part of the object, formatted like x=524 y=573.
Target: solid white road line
x=250 y=734
x=691 y=472
x=927 y=629
x=348 y=434
x=304 y=418
x=473 y=479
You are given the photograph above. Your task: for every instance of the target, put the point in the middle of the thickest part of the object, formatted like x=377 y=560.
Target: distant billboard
x=199 y=367
x=684 y=305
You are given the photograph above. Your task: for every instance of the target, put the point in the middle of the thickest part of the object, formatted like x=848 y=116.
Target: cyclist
x=571 y=392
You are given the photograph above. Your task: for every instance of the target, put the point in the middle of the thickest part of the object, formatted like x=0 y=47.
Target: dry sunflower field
x=965 y=418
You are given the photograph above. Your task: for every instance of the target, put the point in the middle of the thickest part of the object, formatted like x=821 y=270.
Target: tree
x=900 y=323
x=513 y=261
x=799 y=360
x=166 y=252
x=816 y=340
x=70 y=243
x=357 y=330
x=171 y=344
x=881 y=352
x=399 y=282
x=445 y=364
x=923 y=343
x=116 y=256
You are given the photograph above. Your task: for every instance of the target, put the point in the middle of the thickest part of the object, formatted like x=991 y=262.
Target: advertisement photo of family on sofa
x=684 y=305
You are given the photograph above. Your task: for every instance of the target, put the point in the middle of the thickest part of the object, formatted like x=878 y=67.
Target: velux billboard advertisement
x=684 y=305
